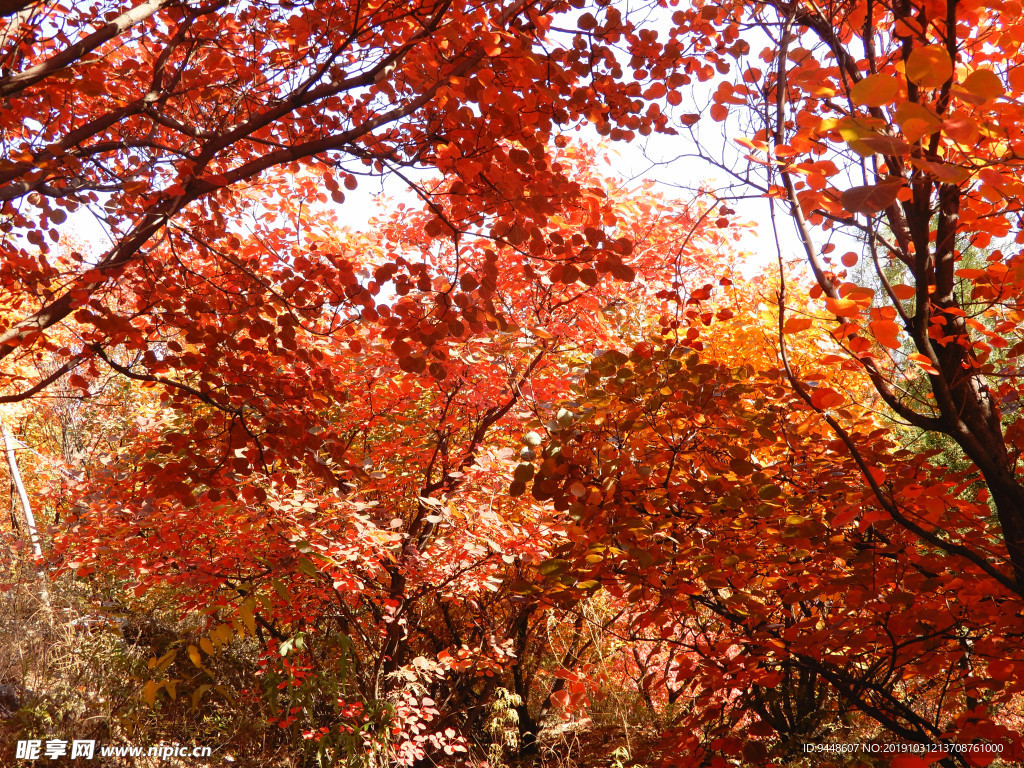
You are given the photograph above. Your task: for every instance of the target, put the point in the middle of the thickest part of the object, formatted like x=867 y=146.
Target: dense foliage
x=543 y=447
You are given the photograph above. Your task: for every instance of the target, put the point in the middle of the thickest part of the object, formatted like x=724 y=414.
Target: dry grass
x=75 y=670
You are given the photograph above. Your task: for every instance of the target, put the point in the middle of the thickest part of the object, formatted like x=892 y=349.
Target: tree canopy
x=541 y=442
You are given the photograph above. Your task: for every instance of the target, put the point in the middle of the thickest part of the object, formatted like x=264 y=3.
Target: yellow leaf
x=929 y=67
x=875 y=91
x=149 y=692
x=206 y=645
x=193 y=654
x=221 y=634
x=248 y=616
x=281 y=590
x=165 y=660
x=879 y=144
x=851 y=129
x=197 y=694
x=225 y=692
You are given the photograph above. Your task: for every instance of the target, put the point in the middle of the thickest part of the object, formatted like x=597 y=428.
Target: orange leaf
x=961 y=128
x=879 y=144
x=904 y=292
x=923 y=363
x=826 y=398
x=970 y=274
x=929 y=67
x=886 y=332
x=944 y=172
x=797 y=324
x=872 y=198
x=749 y=144
x=916 y=121
x=875 y=91
x=842 y=307
x=984 y=85
x=908 y=27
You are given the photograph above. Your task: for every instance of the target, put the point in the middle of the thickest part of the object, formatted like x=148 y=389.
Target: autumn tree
x=887 y=133
x=327 y=470
x=209 y=139
x=709 y=498
x=206 y=140
x=154 y=117
x=891 y=128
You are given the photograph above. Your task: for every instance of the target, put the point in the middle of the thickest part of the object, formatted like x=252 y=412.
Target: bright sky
x=668 y=160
